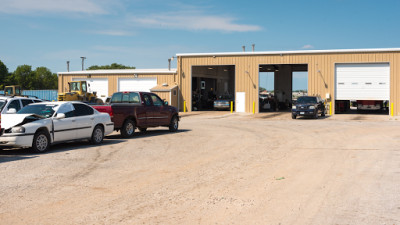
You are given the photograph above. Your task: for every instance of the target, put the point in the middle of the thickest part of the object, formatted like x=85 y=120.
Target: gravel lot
x=220 y=168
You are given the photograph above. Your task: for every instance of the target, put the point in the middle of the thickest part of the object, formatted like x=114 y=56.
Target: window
x=156 y=100
x=134 y=97
x=147 y=100
x=14 y=104
x=125 y=98
x=37 y=101
x=174 y=92
x=68 y=109
x=116 y=98
x=82 y=110
x=26 y=102
x=84 y=86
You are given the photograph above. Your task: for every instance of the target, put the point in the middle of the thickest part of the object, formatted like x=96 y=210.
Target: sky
x=145 y=33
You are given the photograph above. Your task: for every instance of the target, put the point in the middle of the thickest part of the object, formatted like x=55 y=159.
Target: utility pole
x=83 y=61
x=67 y=66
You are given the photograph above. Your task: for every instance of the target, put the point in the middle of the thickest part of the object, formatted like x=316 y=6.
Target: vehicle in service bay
x=131 y=110
x=310 y=106
x=40 y=124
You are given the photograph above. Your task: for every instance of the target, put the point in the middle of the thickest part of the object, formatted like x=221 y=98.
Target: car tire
x=41 y=142
x=128 y=129
x=174 y=124
x=97 y=135
x=143 y=129
x=323 y=113
x=293 y=116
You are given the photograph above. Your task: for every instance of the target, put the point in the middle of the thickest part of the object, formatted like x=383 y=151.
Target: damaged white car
x=41 y=124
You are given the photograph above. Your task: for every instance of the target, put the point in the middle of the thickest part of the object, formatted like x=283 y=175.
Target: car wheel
x=97 y=135
x=173 y=126
x=323 y=113
x=41 y=142
x=293 y=116
x=128 y=129
x=142 y=129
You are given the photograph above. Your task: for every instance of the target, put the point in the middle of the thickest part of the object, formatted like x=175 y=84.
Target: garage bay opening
x=280 y=85
x=213 y=87
x=362 y=88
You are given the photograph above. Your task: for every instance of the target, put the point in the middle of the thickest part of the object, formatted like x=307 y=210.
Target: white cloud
x=192 y=21
x=51 y=6
x=307 y=47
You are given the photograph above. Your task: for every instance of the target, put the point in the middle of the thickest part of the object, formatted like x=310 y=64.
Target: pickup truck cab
x=131 y=110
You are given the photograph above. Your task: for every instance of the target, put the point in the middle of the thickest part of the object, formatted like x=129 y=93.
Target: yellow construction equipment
x=13 y=90
x=78 y=91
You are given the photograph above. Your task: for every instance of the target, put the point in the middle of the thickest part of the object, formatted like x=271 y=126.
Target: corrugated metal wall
x=321 y=72
x=63 y=80
x=49 y=95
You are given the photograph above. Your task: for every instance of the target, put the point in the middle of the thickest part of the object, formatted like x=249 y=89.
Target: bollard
x=184 y=106
x=231 y=106
x=391 y=109
x=254 y=107
x=330 y=108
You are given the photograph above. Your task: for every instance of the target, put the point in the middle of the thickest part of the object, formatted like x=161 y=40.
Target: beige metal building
x=106 y=82
x=359 y=74
x=335 y=75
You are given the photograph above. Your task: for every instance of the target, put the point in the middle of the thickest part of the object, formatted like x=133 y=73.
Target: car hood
x=306 y=104
x=11 y=120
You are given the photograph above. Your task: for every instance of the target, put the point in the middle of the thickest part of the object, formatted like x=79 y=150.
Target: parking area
x=220 y=168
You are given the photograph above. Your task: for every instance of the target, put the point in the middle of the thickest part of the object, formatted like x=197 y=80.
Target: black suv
x=308 y=106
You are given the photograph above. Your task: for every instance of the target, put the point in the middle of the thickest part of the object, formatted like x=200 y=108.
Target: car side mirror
x=165 y=102
x=11 y=111
x=60 y=116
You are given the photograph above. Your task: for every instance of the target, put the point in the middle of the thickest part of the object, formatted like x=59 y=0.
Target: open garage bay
x=219 y=169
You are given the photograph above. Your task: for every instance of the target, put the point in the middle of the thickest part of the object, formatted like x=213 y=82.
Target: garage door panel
x=362 y=81
x=136 y=84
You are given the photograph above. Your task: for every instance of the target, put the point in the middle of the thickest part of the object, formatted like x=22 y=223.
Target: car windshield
x=2 y=103
x=41 y=110
x=306 y=100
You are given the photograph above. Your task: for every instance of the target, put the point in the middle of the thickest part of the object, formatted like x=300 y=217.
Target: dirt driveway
x=219 y=169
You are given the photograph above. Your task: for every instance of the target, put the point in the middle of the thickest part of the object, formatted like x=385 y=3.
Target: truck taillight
x=111 y=113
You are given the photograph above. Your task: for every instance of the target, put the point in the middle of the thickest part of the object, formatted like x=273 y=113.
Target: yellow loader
x=78 y=91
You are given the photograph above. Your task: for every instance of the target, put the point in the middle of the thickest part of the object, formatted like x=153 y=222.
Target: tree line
x=39 y=79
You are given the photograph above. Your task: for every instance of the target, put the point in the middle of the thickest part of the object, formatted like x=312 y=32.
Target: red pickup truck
x=131 y=110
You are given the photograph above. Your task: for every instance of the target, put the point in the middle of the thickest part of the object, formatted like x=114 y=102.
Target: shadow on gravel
x=13 y=154
x=148 y=133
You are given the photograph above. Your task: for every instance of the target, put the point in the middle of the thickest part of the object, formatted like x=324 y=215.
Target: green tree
x=3 y=75
x=109 y=67
x=262 y=89
x=44 y=79
x=25 y=77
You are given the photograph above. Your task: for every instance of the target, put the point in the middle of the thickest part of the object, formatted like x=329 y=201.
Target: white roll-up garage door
x=136 y=84
x=100 y=85
x=363 y=81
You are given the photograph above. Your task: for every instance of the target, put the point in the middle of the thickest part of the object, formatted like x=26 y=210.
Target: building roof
x=121 y=71
x=163 y=87
x=291 y=52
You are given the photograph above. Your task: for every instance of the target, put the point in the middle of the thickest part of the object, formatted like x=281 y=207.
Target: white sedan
x=41 y=124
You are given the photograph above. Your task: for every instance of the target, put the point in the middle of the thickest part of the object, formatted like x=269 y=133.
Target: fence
x=49 y=95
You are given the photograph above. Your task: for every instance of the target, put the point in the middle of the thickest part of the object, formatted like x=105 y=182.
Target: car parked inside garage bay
x=40 y=124
x=310 y=106
x=131 y=110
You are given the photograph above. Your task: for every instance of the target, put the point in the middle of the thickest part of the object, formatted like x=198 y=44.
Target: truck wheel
x=173 y=126
x=41 y=142
x=97 y=135
x=128 y=129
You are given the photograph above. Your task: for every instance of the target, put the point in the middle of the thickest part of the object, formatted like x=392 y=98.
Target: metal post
x=67 y=66
x=83 y=61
